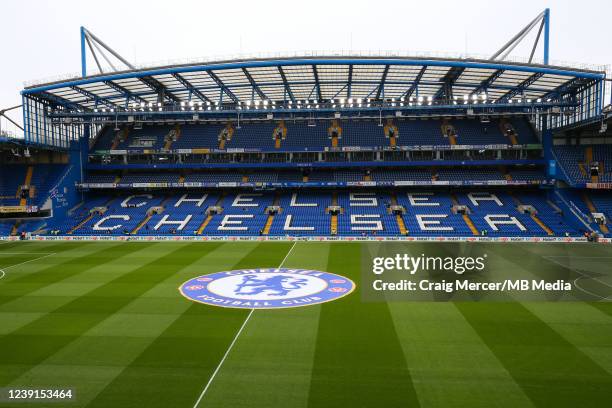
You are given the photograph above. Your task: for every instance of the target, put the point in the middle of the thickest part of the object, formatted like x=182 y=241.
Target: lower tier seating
x=300 y=213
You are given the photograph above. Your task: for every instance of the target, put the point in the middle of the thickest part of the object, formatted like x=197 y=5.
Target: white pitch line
x=22 y=263
x=229 y=349
x=582 y=274
x=26 y=253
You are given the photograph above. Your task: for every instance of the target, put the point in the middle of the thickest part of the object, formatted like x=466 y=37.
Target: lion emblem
x=274 y=286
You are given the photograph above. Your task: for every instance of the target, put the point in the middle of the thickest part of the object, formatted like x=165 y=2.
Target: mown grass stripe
x=272 y=360
x=175 y=367
x=31 y=344
x=25 y=309
x=441 y=347
x=586 y=328
x=549 y=369
x=102 y=352
x=18 y=284
x=358 y=360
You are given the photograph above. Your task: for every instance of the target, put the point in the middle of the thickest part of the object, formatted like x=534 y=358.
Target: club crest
x=267 y=288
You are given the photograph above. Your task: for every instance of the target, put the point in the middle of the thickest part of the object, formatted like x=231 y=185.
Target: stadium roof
x=316 y=79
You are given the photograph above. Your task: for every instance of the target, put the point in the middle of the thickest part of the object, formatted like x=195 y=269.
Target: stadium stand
x=494 y=213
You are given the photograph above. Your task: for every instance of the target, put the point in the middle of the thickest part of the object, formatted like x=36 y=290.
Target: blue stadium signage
x=267 y=288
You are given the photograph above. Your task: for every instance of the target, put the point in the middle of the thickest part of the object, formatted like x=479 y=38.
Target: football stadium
x=318 y=230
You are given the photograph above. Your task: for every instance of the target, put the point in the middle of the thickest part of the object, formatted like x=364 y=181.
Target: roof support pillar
x=83 y=54
x=546 y=34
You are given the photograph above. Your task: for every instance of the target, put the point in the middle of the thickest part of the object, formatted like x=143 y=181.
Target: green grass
x=107 y=319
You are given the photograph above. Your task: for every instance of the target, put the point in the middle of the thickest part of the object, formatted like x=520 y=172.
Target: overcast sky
x=40 y=39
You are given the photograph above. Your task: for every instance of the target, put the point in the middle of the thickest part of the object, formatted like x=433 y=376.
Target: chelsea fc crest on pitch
x=267 y=288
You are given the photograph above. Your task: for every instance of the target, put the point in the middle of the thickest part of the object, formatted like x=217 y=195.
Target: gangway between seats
x=509 y=131
x=334 y=132
x=226 y=135
x=398 y=210
x=272 y=211
x=533 y=213
x=121 y=136
x=150 y=213
x=334 y=209
x=280 y=134
x=464 y=211
x=172 y=137
x=28 y=179
x=391 y=132
x=448 y=131
x=587 y=200
x=210 y=212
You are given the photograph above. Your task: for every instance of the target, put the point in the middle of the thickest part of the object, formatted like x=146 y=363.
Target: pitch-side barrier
x=292 y=238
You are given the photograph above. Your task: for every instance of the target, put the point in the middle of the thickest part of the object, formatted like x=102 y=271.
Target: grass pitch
x=107 y=319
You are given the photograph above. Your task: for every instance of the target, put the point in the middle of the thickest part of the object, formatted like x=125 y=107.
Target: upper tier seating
x=302 y=137
x=524 y=130
x=474 y=132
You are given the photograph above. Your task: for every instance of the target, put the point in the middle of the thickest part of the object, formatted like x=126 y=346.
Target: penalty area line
x=229 y=349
